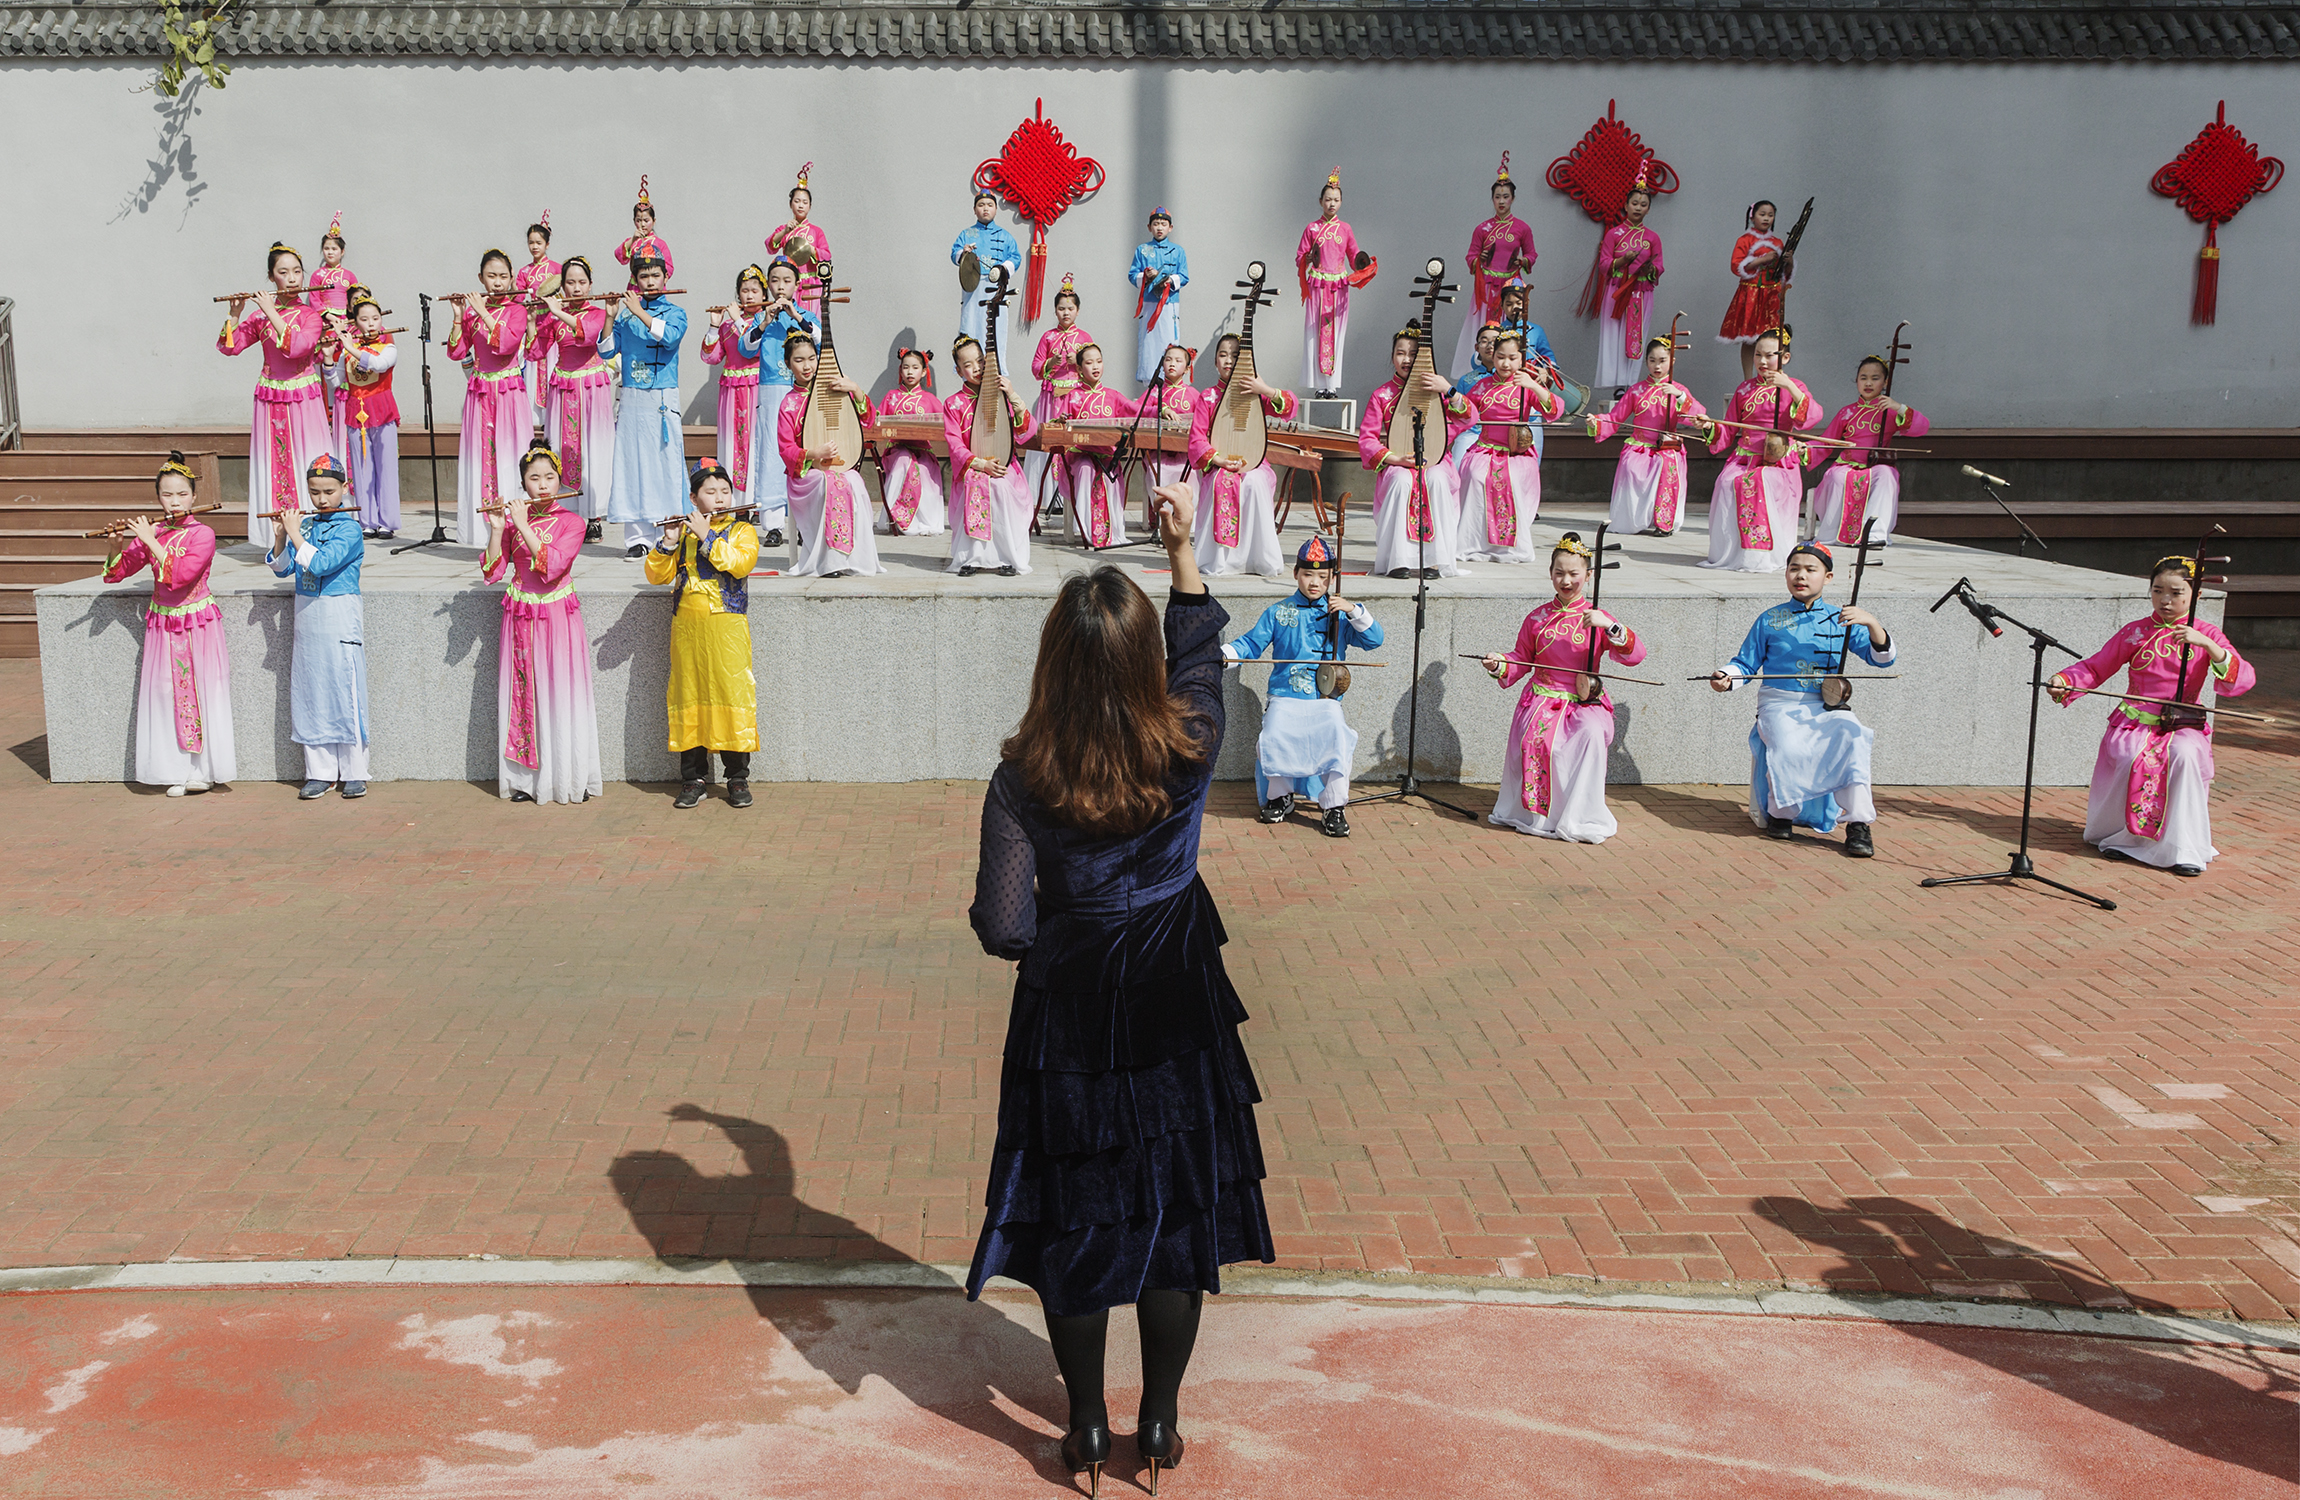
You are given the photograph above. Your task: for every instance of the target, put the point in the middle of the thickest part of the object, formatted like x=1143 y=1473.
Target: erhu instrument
x=2188 y=713
x=1400 y=436
x=992 y=434
x=120 y=527
x=831 y=419
x=1588 y=685
x=1837 y=688
x=1240 y=426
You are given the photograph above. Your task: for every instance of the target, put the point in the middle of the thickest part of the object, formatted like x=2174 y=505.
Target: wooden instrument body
x=992 y=434
x=1400 y=437
x=831 y=419
x=1240 y=428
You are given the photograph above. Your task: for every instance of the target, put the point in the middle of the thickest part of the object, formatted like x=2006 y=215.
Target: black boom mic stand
x=2023 y=867
x=438 y=527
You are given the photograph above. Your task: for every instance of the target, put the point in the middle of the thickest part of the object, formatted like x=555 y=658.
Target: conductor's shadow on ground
x=941 y=1352
x=2228 y=1404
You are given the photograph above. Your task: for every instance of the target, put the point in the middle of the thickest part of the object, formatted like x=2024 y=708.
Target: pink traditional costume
x=497 y=421
x=1413 y=507
x=543 y=698
x=290 y=425
x=910 y=474
x=990 y=517
x=1175 y=416
x=1501 y=491
x=367 y=427
x=579 y=411
x=1861 y=484
x=1624 y=300
x=1056 y=365
x=1757 y=301
x=1553 y=766
x=638 y=247
x=1496 y=247
x=830 y=509
x=1754 y=506
x=2150 y=786
x=738 y=396
x=1097 y=499
x=528 y=281
x=1237 y=527
x=330 y=286
x=1326 y=264
x=1649 y=481
x=789 y=237
x=184 y=688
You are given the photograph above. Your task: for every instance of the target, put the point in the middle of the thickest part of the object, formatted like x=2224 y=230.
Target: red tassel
x=2205 y=309
x=1037 y=273
x=1593 y=290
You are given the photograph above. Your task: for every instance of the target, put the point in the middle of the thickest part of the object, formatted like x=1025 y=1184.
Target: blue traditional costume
x=650 y=443
x=993 y=247
x=1160 y=270
x=770 y=487
x=1307 y=746
x=1808 y=764
x=327 y=673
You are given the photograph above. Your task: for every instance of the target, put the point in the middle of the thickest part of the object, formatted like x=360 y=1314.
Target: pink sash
x=570 y=440
x=1226 y=506
x=1418 y=527
x=1669 y=489
x=519 y=734
x=839 y=509
x=906 y=497
x=285 y=496
x=1500 y=502
x=739 y=467
x=1856 y=506
x=1541 y=727
x=490 y=482
x=190 y=734
x=1098 y=509
x=975 y=493
x=1750 y=509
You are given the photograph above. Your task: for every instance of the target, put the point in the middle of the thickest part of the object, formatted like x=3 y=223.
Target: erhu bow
x=1836 y=688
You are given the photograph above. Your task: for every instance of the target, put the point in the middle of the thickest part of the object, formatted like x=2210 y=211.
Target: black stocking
x=1078 y=1344
x=1169 y=1326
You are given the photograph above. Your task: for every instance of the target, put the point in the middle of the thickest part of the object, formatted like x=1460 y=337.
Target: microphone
x=1987 y=477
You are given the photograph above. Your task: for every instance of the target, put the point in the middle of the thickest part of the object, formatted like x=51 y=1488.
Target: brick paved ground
x=432 y=1023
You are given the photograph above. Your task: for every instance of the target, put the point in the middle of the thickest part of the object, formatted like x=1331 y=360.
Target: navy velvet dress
x=1127 y=1159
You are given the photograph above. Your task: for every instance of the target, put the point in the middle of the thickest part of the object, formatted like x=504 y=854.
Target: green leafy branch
x=191 y=45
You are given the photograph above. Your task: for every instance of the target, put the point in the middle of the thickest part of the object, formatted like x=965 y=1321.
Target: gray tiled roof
x=1210 y=30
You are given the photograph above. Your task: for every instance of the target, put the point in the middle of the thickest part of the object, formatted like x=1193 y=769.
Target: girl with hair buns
x=802 y=243
x=1055 y=364
x=544 y=703
x=1237 y=506
x=1501 y=255
x=643 y=243
x=1501 y=475
x=990 y=509
x=1755 y=505
x=830 y=509
x=1127 y=1167
x=910 y=474
x=490 y=334
x=184 y=687
x=290 y=426
x=367 y=414
x=331 y=284
x=1652 y=418
x=541 y=274
x=579 y=411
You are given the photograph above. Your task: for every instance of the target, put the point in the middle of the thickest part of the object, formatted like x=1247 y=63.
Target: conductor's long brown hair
x=1101 y=734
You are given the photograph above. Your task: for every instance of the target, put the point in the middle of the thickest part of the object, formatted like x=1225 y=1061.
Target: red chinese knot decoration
x=2213 y=178
x=1041 y=175
x=1597 y=174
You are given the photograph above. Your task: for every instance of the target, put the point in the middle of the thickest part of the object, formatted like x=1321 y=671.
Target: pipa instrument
x=1240 y=428
x=831 y=418
x=1400 y=437
x=992 y=436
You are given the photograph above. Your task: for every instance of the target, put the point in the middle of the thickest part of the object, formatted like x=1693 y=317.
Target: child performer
x=712 y=699
x=1480 y=366
x=1055 y=364
x=803 y=244
x=1649 y=481
x=1306 y=744
x=1413 y=506
x=1553 y=766
x=331 y=284
x=1237 y=528
x=367 y=416
x=184 y=690
x=1161 y=269
x=650 y=444
x=579 y=413
x=830 y=509
x=991 y=527
x=763 y=338
x=2153 y=779
x=543 y=696
x=738 y=376
x=1757 y=301
x=1174 y=415
x=1098 y=509
x=327 y=675
x=909 y=472
x=1539 y=357
x=1808 y=764
x=1501 y=255
x=1327 y=264
x=497 y=421
x=644 y=243
x=1630 y=255
x=994 y=247
x=541 y=274
x=1754 y=506
x=1862 y=482
x=1501 y=478
x=290 y=427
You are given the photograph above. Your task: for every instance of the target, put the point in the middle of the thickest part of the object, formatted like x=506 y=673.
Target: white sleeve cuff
x=304 y=553
x=1360 y=616
x=655 y=328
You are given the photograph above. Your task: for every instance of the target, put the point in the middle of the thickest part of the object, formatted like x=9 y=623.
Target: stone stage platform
x=917 y=674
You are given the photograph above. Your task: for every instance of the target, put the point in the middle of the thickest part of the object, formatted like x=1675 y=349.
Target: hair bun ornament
x=1334 y=178
x=1501 y=173
x=1069 y=284
x=1412 y=330
x=540 y=449
x=644 y=200
x=961 y=342
x=335 y=224
x=176 y=463
x=544 y=218
x=803 y=171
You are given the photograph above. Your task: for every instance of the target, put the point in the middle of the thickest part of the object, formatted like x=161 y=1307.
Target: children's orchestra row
x=1810 y=755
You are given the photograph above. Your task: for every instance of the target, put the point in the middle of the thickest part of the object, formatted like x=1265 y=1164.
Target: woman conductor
x=1127 y=1167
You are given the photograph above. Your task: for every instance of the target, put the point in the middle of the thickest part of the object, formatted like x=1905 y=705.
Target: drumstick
x=1547 y=667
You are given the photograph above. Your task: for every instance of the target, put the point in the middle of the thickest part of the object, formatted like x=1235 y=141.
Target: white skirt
x=1476 y=529
x=1314 y=378
x=1008 y=544
x=1088 y=488
x=1808 y=763
x=1257 y=550
x=1884 y=505
x=2187 y=838
x=1783 y=498
x=1648 y=491
x=161 y=759
x=1303 y=740
x=811 y=551
x=1577 y=811
x=901 y=466
x=1394 y=545
x=1615 y=365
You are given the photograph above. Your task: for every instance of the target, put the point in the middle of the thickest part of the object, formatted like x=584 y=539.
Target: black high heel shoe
x=1160 y=1445
x=1084 y=1451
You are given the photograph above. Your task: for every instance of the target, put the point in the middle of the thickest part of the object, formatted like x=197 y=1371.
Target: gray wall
x=2005 y=210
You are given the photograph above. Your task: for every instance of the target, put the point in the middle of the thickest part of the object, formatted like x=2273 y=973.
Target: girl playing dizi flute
x=491 y=331
x=539 y=275
x=184 y=690
x=544 y=704
x=290 y=427
x=738 y=375
x=579 y=413
x=367 y=414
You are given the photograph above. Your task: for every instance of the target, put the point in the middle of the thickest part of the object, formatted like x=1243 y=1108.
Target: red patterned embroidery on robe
x=2145 y=789
x=570 y=441
x=975 y=492
x=1500 y=502
x=1541 y=727
x=1856 y=506
x=190 y=733
x=1669 y=489
x=1227 y=486
x=519 y=734
x=285 y=496
x=1750 y=511
x=839 y=509
x=740 y=466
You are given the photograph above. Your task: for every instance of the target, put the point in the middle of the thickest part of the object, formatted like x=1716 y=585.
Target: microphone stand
x=438 y=527
x=1118 y=456
x=2020 y=547
x=2023 y=867
x=1409 y=784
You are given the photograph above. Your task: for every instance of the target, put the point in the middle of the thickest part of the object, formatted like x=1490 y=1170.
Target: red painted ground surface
x=691 y=1393
x=432 y=1023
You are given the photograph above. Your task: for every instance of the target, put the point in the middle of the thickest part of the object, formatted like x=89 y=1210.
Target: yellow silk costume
x=712 y=698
